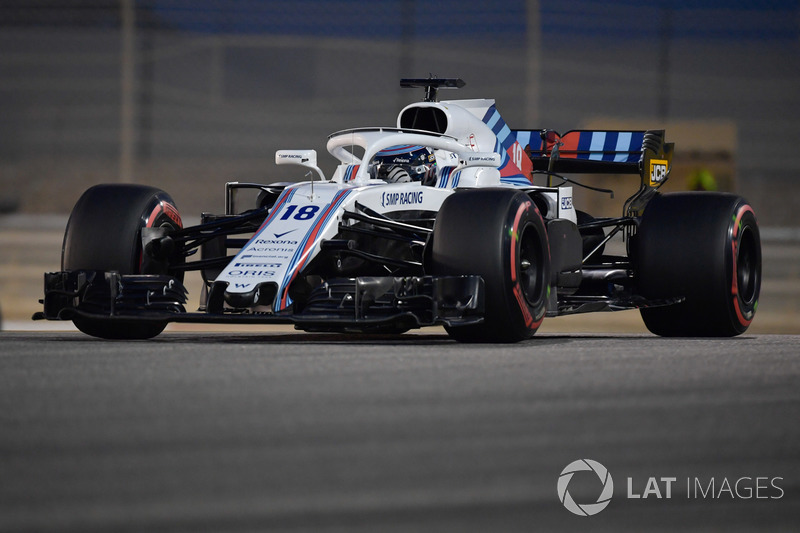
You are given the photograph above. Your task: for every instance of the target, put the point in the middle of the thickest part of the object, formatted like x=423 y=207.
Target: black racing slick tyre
x=104 y=233
x=705 y=247
x=498 y=234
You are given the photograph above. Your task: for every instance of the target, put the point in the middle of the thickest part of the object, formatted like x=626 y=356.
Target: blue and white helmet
x=399 y=164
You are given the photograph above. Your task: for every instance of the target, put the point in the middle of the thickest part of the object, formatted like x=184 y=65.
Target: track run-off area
x=282 y=430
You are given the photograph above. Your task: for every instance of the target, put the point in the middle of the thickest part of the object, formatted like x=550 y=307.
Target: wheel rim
x=161 y=221
x=531 y=275
x=747 y=273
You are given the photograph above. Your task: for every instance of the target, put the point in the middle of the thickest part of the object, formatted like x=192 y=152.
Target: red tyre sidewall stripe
x=167 y=209
x=735 y=281
x=530 y=322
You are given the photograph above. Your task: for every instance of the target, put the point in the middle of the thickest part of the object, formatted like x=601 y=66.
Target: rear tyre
x=707 y=248
x=499 y=235
x=104 y=233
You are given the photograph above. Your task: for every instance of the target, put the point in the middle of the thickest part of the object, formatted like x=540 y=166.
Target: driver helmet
x=399 y=164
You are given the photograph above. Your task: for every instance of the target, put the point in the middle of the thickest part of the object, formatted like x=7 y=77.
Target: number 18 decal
x=304 y=213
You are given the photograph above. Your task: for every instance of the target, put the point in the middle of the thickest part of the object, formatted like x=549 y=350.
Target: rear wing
x=600 y=152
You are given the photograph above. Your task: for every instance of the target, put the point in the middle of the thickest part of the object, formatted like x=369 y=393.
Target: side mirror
x=304 y=158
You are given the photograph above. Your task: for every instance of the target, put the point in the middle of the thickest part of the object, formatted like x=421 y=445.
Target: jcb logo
x=658 y=171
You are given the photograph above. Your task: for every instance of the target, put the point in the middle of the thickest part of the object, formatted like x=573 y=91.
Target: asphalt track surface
x=306 y=432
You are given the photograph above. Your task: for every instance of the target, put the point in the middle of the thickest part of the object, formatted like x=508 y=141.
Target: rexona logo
x=658 y=171
x=591 y=508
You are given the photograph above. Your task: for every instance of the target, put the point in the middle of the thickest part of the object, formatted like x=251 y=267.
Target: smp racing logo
x=401 y=198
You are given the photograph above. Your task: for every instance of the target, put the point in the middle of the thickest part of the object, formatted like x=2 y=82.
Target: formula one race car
x=433 y=222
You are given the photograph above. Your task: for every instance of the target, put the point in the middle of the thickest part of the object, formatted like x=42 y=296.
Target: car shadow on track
x=253 y=338
x=345 y=339
x=360 y=339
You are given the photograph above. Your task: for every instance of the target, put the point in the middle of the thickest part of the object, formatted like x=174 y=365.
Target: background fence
x=186 y=94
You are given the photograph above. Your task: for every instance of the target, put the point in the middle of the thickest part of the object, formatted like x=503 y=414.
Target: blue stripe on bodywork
x=610 y=145
x=623 y=146
x=491 y=117
x=519 y=180
x=598 y=141
x=326 y=213
x=523 y=138
x=445 y=177
x=584 y=145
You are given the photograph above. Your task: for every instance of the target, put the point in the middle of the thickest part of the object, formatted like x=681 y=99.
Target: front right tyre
x=499 y=235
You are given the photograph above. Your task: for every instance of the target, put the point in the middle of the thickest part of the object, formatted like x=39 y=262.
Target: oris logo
x=591 y=508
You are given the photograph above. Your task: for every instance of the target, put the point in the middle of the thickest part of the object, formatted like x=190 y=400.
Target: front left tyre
x=104 y=234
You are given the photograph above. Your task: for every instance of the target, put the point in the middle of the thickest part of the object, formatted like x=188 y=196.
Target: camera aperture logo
x=585 y=509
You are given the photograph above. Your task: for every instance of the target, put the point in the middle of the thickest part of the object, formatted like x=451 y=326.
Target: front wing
x=341 y=304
